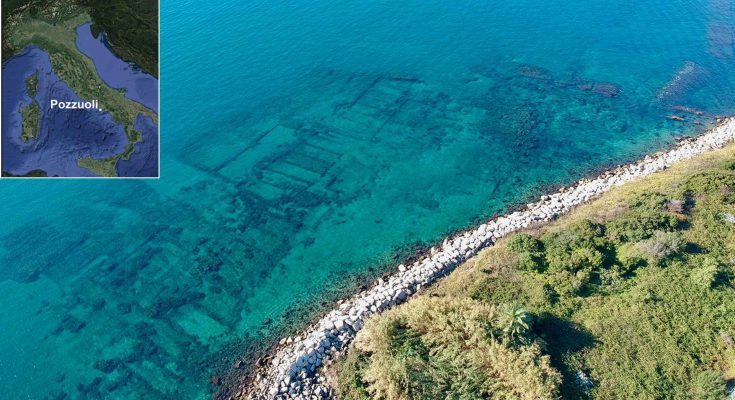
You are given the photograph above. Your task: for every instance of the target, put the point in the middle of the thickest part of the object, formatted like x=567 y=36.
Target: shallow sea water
x=307 y=144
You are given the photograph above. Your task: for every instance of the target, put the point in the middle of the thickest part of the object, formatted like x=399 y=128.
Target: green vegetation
x=630 y=296
x=448 y=349
x=708 y=386
x=15 y=12
x=104 y=167
x=131 y=27
x=133 y=137
x=32 y=84
x=31 y=115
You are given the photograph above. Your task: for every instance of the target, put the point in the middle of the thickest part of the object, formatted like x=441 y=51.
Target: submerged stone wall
x=293 y=372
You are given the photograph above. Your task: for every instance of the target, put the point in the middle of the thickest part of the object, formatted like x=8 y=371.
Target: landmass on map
x=80 y=88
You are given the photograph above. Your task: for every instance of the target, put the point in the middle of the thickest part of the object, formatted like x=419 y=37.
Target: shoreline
x=292 y=370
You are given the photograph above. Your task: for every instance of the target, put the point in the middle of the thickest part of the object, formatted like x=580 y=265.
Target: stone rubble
x=293 y=370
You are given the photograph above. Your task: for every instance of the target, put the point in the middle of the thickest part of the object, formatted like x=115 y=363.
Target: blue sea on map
x=310 y=146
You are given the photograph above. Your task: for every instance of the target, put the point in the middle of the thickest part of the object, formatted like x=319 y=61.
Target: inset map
x=80 y=88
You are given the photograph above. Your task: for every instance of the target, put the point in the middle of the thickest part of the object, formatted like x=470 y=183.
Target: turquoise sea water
x=307 y=143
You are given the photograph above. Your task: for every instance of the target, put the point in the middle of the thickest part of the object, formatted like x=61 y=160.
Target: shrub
x=708 y=385
x=436 y=348
x=710 y=183
x=349 y=380
x=529 y=251
x=660 y=246
x=630 y=259
x=516 y=322
x=524 y=243
x=646 y=216
x=530 y=262
x=574 y=256
x=676 y=206
x=563 y=283
x=551 y=296
x=581 y=247
x=728 y=165
x=708 y=274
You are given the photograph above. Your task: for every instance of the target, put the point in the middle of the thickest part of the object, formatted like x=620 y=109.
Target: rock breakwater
x=293 y=371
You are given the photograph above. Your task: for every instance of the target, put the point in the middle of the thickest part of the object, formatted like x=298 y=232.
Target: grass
x=632 y=294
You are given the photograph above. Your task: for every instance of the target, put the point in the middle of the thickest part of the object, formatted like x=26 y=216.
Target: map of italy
x=72 y=104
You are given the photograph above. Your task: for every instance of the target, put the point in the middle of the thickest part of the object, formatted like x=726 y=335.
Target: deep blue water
x=304 y=143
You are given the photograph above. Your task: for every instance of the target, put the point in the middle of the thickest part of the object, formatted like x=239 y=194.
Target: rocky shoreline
x=293 y=370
